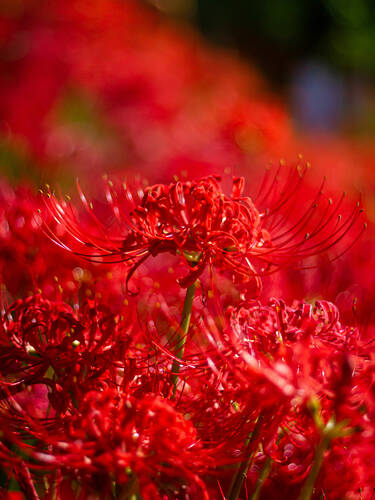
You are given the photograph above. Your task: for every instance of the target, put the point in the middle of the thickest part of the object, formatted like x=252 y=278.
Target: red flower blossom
x=44 y=343
x=308 y=355
x=197 y=221
x=142 y=443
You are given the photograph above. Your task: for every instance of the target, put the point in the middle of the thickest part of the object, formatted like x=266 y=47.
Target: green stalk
x=263 y=474
x=328 y=433
x=182 y=334
x=242 y=468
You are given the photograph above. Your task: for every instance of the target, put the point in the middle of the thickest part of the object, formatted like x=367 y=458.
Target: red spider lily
x=197 y=221
x=268 y=328
x=45 y=343
x=84 y=386
x=268 y=363
x=347 y=282
x=258 y=375
x=308 y=355
x=143 y=443
x=193 y=219
x=306 y=348
x=52 y=359
x=224 y=408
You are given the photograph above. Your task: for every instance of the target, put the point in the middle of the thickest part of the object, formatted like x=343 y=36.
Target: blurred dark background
x=320 y=54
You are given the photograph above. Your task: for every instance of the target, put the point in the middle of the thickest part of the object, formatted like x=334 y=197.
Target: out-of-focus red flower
x=29 y=261
x=294 y=340
x=210 y=112
x=12 y=495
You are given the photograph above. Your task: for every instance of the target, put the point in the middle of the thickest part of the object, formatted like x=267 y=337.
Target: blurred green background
x=318 y=48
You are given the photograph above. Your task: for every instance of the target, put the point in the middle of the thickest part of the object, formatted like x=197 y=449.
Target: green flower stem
x=328 y=433
x=263 y=474
x=182 y=334
x=242 y=468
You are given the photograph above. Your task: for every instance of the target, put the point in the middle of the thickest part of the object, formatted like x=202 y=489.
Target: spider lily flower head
x=192 y=219
x=45 y=342
x=266 y=328
x=305 y=354
x=141 y=442
x=307 y=344
x=287 y=354
x=205 y=227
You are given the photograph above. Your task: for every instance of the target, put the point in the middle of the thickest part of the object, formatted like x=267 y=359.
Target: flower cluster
x=143 y=354
x=120 y=397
